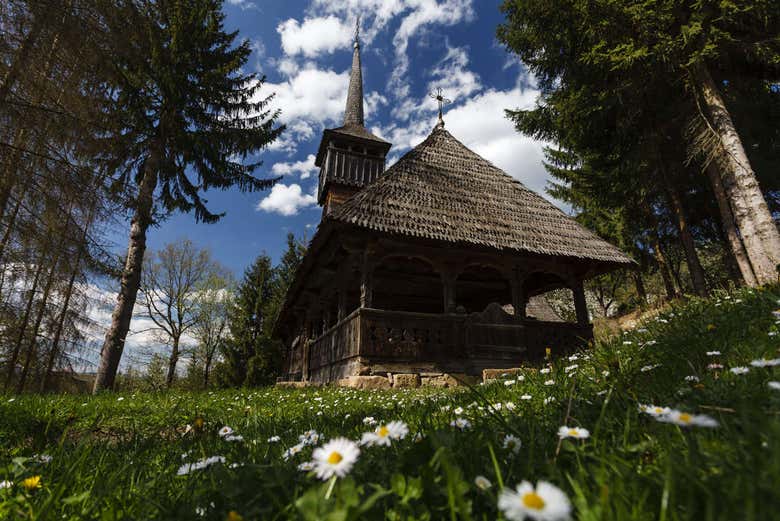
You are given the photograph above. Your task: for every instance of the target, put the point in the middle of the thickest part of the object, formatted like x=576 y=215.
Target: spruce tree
x=191 y=117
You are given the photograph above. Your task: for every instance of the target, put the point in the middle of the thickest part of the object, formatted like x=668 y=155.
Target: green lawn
x=129 y=456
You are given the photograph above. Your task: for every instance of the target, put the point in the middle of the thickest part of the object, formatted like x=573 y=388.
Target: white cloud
x=452 y=74
x=286 y=200
x=242 y=4
x=304 y=168
x=314 y=36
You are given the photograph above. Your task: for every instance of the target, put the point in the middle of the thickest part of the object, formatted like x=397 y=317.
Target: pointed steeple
x=353 y=115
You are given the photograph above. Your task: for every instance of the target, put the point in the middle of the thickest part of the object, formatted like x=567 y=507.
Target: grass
x=116 y=456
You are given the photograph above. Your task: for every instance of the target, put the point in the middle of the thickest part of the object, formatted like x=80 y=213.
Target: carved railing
x=337 y=343
x=413 y=337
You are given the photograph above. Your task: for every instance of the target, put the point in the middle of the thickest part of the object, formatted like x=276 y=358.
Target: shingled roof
x=444 y=191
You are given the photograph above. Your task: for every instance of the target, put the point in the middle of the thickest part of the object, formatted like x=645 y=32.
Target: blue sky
x=408 y=48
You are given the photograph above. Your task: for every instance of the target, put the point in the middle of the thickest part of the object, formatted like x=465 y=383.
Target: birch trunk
x=730 y=228
x=172 y=361
x=130 y=281
x=759 y=232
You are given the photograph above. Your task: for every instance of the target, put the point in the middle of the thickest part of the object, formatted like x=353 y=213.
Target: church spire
x=353 y=115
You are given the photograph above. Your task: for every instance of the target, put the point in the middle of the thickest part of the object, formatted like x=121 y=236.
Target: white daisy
x=5 y=484
x=740 y=370
x=461 y=423
x=573 y=432
x=274 y=439
x=335 y=458
x=384 y=434
x=654 y=410
x=544 y=370
x=774 y=385
x=369 y=420
x=306 y=466
x=714 y=367
x=225 y=431
x=545 y=502
x=526 y=397
x=198 y=465
x=458 y=411
x=685 y=419
x=482 y=483
x=692 y=378
x=763 y=362
x=713 y=353
x=512 y=443
x=292 y=451
x=510 y=406
x=549 y=382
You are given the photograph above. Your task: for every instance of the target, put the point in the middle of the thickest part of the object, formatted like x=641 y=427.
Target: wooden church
x=431 y=267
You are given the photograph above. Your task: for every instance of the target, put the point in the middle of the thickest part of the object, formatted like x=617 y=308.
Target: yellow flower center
x=382 y=431
x=32 y=483
x=685 y=417
x=234 y=516
x=573 y=432
x=533 y=500
x=658 y=410
x=335 y=458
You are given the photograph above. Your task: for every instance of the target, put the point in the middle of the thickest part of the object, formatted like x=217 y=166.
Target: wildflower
x=711 y=327
x=740 y=370
x=685 y=419
x=11 y=400
x=713 y=353
x=545 y=502
x=458 y=411
x=605 y=373
x=654 y=410
x=234 y=516
x=461 y=423
x=418 y=437
x=510 y=406
x=292 y=451
x=692 y=379
x=714 y=367
x=274 y=439
x=42 y=458
x=32 y=483
x=544 y=370
x=198 y=465
x=335 y=458
x=549 y=382
x=512 y=443
x=482 y=483
x=573 y=432
x=526 y=397
x=570 y=368
x=198 y=423
x=5 y=484
x=120 y=398
x=310 y=437
x=548 y=400
x=776 y=314
x=225 y=431
x=306 y=466
x=763 y=362
x=233 y=437
x=369 y=420
x=647 y=368
x=774 y=385
x=384 y=434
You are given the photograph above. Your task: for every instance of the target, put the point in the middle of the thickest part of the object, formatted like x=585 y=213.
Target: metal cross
x=442 y=101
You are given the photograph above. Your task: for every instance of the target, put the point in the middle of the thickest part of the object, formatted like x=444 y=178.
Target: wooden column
x=518 y=295
x=580 y=306
x=342 y=302
x=448 y=280
x=366 y=282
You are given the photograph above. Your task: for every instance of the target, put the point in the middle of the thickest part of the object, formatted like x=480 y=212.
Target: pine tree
x=191 y=118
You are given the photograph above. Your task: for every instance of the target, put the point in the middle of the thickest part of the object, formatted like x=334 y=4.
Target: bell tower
x=349 y=157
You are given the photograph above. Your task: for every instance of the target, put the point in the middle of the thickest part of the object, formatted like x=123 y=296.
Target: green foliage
x=117 y=456
x=251 y=356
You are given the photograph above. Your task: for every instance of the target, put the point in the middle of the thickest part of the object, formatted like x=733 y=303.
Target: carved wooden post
x=448 y=281
x=366 y=282
x=518 y=294
x=342 y=302
x=325 y=317
x=580 y=306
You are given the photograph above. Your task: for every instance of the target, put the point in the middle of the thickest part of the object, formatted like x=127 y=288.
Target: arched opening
x=548 y=298
x=479 y=285
x=407 y=284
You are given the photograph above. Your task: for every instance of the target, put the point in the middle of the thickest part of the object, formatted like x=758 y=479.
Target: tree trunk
x=640 y=285
x=663 y=267
x=688 y=244
x=23 y=326
x=172 y=361
x=114 y=343
x=753 y=218
x=21 y=60
x=730 y=228
x=32 y=346
x=206 y=371
x=55 y=344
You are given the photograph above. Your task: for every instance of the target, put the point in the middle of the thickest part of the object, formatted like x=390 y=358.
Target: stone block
x=406 y=380
x=365 y=382
x=495 y=374
x=449 y=380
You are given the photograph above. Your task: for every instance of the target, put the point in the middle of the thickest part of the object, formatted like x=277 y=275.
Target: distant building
x=431 y=266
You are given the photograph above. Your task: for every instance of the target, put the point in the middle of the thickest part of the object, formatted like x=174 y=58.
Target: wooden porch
x=382 y=341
